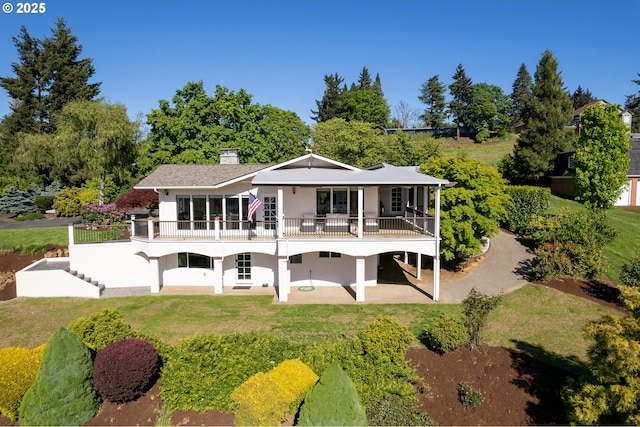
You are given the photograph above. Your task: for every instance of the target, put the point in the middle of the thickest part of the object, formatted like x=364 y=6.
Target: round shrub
x=445 y=334
x=100 y=329
x=630 y=272
x=124 y=370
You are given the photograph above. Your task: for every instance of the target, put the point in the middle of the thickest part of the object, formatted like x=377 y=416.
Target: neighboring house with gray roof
x=562 y=182
x=315 y=222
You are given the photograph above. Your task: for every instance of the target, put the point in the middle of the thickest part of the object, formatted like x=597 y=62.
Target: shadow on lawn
x=543 y=374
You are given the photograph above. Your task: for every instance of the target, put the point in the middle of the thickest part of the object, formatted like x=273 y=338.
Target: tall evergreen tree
x=581 y=97
x=461 y=104
x=521 y=93
x=632 y=104
x=545 y=117
x=68 y=75
x=328 y=106
x=432 y=96
x=364 y=81
x=377 y=86
x=48 y=75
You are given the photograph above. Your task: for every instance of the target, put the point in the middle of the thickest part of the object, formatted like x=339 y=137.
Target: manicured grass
x=489 y=152
x=626 y=223
x=537 y=320
x=16 y=239
x=544 y=323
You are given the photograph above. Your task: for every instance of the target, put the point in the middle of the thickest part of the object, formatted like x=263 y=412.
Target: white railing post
x=216 y=228
x=70 y=230
x=150 y=231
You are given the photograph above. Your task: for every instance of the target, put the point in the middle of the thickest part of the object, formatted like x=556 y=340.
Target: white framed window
x=295 y=259
x=243 y=266
x=396 y=199
x=325 y=254
x=192 y=260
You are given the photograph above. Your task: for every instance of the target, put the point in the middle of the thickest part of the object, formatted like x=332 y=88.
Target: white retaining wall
x=34 y=282
x=114 y=264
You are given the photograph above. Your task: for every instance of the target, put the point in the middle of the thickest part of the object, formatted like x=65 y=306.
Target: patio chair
x=308 y=223
x=371 y=222
x=337 y=223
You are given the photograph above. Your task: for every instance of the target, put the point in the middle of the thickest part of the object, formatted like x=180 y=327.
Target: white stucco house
x=319 y=222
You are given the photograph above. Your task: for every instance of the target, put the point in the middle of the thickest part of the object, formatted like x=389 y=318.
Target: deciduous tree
x=601 y=161
x=194 y=126
x=473 y=208
x=101 y=138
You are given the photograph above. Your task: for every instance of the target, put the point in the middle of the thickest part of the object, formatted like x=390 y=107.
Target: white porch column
x=218 y=272
x=360 y=269
x=280 y=209
x=418 y=265
x=283 y=279
x=360 y=210
x=133 y=225
x=216 y=228
x=436 y=258
x=154 y=275
x=150 y=233
x=425 y=208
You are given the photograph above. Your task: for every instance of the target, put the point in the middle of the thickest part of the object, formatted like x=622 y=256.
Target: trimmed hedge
x=296 y=379
x=62 y=393
x=259 y=401
x=266 y=399
x=528 y=203
x=333 y=402
x=18 y=368
x=203 y=371
x=124 y=370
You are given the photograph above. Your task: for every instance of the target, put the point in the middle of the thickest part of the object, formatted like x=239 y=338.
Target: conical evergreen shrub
x=62 y=393
x=332 y=402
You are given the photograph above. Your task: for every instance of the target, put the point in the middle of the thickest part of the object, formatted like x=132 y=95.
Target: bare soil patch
x=517 y=389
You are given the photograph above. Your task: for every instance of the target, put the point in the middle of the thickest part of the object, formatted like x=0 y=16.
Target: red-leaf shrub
x=146 y=199
x=124 y=370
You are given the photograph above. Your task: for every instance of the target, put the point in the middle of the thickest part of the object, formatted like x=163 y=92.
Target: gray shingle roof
x=183 y=176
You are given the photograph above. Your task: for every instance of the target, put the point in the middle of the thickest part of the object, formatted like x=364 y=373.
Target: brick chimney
x=229 y=156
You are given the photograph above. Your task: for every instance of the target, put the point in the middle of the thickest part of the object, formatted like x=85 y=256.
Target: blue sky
x=279 y=51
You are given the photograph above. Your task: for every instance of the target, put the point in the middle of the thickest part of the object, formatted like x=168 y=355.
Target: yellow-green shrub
x=18 y=368
x=295 y=378
x=88 y=195
x=259 y=401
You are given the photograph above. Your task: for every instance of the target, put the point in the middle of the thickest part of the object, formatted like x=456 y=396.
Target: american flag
x=254 y=205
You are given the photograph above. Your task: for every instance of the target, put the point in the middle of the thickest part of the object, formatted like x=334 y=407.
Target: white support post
x=360 y=270
x=280 y=209
x=436 y=259
x=218 y=271
x=154 y=275
x=360 y=210
x=70 y=232
x=418 y=265
x=283 y=279
x=425 y=208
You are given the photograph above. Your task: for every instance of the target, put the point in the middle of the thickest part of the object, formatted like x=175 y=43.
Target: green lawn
x=537 y=320
x=626 y=223
x=16 y=239
x=489 y=152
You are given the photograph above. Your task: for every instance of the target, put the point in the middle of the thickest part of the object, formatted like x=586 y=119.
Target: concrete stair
x=87 y=279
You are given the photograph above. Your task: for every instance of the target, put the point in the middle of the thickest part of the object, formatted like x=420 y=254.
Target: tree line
x=60 y=130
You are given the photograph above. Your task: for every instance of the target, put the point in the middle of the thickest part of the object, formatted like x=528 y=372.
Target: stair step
x=74 y=272
x=80 y=276
x=94 y=283
x=101 y=287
